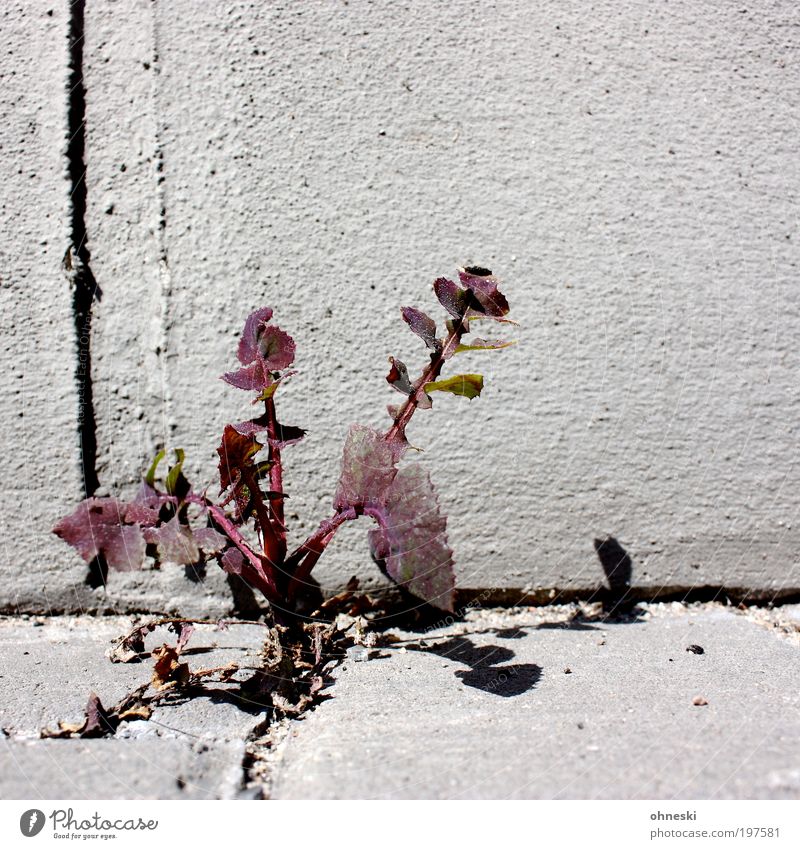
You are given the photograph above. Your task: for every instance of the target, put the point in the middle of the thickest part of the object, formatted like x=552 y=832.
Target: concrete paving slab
x=193 y=749
x=150 y=768
x=50 y=665
x=510 y=705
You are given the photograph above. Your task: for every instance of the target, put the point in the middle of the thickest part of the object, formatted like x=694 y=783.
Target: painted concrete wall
x=39 y=466
x=630 y=171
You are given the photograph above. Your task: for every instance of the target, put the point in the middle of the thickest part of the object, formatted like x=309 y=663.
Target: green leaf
x=468 y=385
x=150 y=477
x=268 y=392
x=485 y=345
x=174 y=475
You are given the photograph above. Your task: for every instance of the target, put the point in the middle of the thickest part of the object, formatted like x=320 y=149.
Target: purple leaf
x=253 y=326
x=398 y=377
x=484 y=287
x=233 y=561
x=368 y=468
x=236 y=452
x=209 y=541
x=411 y=538
x=252 y=426
x=422 y=325
x=252 y=377
x=145 y=508
x=451 y=296
x=476 y=278
x=97 y=528
x=494 y=304
x=285 y=434
x=174 y=542
x=263 y=349
x=276 y=348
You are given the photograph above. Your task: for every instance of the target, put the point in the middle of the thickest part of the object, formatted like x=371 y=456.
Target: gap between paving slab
x=516 y=704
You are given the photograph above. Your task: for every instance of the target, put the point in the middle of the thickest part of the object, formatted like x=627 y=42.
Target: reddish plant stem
x=257 y=567
x=269 y=539
x=303 y=559
x=438 y=358
x=276 y=477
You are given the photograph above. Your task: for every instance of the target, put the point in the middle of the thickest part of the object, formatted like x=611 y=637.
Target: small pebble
x=695 y=649
x=699 y=701
x=568 y=671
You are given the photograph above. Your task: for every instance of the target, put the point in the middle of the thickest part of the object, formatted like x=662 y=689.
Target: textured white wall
x=629 y=170
x=39 y=471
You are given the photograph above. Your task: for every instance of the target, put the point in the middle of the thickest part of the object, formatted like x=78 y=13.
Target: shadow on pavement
x=485 y=672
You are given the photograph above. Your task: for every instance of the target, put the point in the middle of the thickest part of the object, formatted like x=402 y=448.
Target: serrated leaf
x=284 y=434
x=468 y=385
x=276 y=348
x=146 y=507
x=254 y=325
x=423 y=325
x=263 y=349
x=367 y=468
x=485 y=345
x=175 y=543
x=236 y=453
x=398 y=377
x=483 y=284
x=411 y=539
x=97 y=528
x=210 y=542
x=252 y=377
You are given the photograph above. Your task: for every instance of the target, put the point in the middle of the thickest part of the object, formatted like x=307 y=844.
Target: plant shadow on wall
x=244 y=529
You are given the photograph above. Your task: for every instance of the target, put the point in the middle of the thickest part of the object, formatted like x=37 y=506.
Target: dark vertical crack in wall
x=79 y=258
